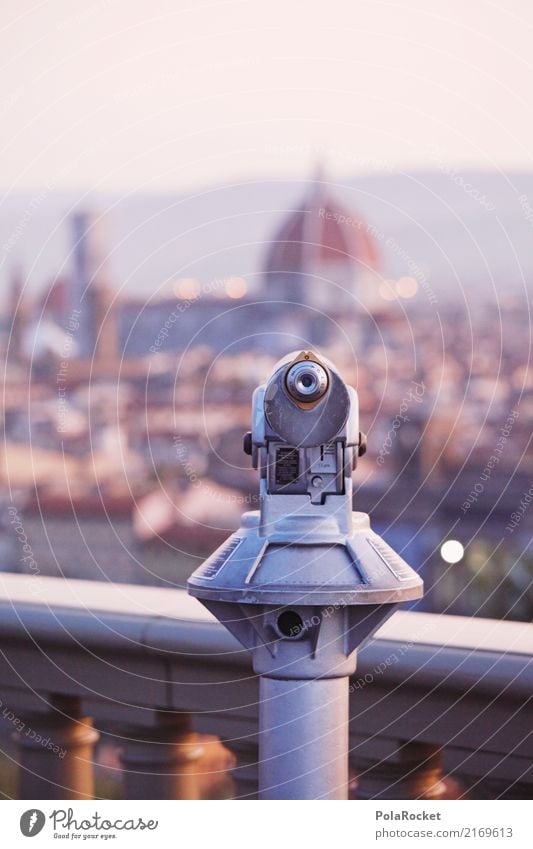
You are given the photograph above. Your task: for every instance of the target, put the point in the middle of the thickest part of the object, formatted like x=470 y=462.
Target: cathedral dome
x=320 y=232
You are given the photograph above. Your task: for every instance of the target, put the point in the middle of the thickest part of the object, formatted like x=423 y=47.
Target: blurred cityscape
x=124 y=412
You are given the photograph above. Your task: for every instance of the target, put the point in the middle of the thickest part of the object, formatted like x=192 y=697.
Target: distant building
x=56 y=301
x=320 y=271
x=91 y=296
x=322 y=255
x=17 y=311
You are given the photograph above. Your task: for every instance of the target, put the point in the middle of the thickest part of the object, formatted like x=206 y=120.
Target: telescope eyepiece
x=304 y=403
x=306 y=381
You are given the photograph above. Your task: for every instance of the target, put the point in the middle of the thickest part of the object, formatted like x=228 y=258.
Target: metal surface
x=303 y=739
x=305 y=559
x=322 y=420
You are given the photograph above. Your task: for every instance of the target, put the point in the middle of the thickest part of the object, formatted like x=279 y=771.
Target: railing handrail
x=428 y=647
x=431 y=693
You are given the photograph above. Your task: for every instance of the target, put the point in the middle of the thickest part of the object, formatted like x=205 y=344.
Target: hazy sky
x=170 y=94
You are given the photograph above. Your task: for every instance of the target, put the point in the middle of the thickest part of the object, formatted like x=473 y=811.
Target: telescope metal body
x=305 y=581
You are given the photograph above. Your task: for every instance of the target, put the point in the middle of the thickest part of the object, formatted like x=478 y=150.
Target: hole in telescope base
x=290 y=624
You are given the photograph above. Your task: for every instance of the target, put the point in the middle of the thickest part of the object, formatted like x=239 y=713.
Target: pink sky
x=169 y=95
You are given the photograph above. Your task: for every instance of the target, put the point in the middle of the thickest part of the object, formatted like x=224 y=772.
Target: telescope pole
x=303 y=738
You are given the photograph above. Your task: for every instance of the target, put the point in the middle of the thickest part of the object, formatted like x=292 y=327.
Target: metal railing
x=441 y=706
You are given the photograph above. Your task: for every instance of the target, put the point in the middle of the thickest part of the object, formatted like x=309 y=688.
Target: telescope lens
x=307 y=381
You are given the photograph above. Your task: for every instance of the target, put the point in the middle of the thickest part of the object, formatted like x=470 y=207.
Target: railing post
x=413 y=771
x=161 y=762
x=245 y=773
x=56 y=753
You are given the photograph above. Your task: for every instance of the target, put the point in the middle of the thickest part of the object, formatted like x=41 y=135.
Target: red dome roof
x=320 y=231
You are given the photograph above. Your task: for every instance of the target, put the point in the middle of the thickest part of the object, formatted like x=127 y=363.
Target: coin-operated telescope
x=304 y=582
